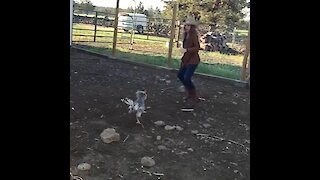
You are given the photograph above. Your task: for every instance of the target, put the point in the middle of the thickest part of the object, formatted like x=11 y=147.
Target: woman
x=190 y=59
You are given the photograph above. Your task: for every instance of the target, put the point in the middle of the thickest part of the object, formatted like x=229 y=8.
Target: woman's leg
x=189 y=84
x=188 y=75
x=181 y=74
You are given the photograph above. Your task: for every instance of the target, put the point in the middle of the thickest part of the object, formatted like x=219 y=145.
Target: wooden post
x=95 y=27
x=248 y=72
x=245 y=59
x=148 y=26
x=71 y=20
x=234 y=35
x=132 y=33
x=179 y=29
x=173 y=23
x=134 y=19
x=115 y=32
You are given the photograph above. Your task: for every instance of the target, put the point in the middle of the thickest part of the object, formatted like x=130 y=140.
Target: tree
x=140 y=8
x=150 y=12
x=146 y=12
x=106 y=11
x=85 y=5
x=242 y=24
x=221 y=15
x=130 y=9
x=157 y=13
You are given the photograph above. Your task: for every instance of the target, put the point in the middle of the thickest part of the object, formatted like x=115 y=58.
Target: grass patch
x=153 y=50
x=217 y=69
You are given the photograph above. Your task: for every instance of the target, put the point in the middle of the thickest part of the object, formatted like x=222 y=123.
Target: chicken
x=73 y=177
x=137 y=106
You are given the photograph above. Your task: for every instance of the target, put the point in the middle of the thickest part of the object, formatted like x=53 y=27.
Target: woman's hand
x=182 y=65
x=183 y=50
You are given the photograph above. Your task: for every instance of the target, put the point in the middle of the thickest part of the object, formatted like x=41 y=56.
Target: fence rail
x=93 y=27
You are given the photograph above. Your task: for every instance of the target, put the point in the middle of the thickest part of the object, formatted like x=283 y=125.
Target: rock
x=132 y=151
x=162 y=147
x=168 y=127
x=194 y=132
x=158 y=138
x=190 y=149
x=210 y=119
x=169 y=142
x=159 y=123
x=84 y=167
x=109 y=135
x=206 y=125
x=147 y=161
x=181 y=89
x=179 y=128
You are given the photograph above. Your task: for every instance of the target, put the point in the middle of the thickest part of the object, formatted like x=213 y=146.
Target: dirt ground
x=219 y=151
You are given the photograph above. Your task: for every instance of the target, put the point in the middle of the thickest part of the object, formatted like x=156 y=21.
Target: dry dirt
x=220 y=151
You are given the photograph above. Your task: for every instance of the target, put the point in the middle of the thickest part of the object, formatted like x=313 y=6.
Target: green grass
x=217 y=69
x=108 y=31
x=154 y=51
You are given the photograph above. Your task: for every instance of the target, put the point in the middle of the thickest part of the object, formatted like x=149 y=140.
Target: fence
x=100 y=29
x=95 y=30
x=101 y=23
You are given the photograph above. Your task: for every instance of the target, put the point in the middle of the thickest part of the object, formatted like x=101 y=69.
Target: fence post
x=179 y=29
x=245 y=59
x=71 y=20
x=234 y=35
x=173 y=23
x=115 y=31
x=95 y=27
x=131 y=37
x=148 y=26
x=248 y=70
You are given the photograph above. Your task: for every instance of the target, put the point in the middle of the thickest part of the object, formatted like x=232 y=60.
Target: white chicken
x=137 y=106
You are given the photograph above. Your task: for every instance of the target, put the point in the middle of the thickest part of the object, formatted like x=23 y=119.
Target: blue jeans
x=185 y=74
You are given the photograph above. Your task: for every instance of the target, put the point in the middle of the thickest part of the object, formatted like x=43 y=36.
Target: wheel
x=140 y=29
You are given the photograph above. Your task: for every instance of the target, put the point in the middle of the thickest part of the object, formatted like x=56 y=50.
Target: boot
x=195 y=99
x=188 y=95
x=192 y=95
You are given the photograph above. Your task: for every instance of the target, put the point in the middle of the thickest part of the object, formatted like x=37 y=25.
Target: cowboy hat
x=190 y=21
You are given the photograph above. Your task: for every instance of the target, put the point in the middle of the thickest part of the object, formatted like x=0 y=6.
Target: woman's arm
x=196 y=44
